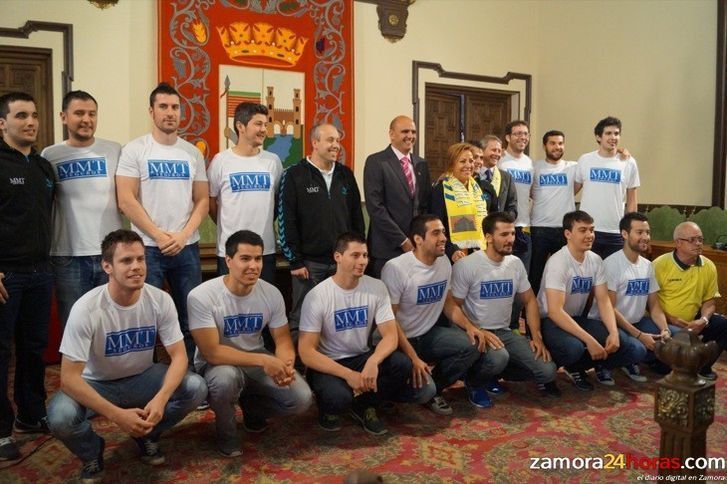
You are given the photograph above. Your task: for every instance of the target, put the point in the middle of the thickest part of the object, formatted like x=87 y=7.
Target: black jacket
x=507 y=201
x=310 y=217
x=27 y=188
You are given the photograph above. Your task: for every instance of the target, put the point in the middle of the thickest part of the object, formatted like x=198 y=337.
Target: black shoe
x=551 y=389
x=580 y=380
x=9 y=449
x=92 y=471
x=39 y=427
x=203 y=405
x=708 y=374
x=659 y=367
x=369 y=420
x=253 y=424
x=330 y=423
x=150 y=452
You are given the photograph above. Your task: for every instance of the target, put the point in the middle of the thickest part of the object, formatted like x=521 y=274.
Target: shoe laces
x=150 y=447
x=91 y=467
x=7 y=440
x=439 y=401
x=370 y=415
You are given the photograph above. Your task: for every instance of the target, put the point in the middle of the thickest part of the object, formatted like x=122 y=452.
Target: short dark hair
x=418 y=226
x=247 y=237
x=607 y=121
x=346 y=238
x=73 y=95
x=112 y=239
x=490 y=221
x=512 y=124
x=245 y=111
x=162 y=88
x=576 y=216
x=476 y=144
x=11 y=97
x=625 y=223
x=552 y=132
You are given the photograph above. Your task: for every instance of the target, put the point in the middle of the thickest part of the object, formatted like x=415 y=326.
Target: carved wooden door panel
x=443 y=127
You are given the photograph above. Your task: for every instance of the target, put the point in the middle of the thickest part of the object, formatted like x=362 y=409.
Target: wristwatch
x=706 y=320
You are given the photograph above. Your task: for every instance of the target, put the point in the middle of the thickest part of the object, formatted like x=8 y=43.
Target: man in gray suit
x=497 y=185
x=397 y=188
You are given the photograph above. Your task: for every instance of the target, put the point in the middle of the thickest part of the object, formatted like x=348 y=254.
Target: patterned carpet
x=493 y=445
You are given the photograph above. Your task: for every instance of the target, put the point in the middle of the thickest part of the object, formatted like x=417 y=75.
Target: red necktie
x=408 y=173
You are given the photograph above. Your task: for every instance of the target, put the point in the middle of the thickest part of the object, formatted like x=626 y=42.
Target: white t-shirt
x=605 y=181
x=344 y=317
x=488 y=288
x=245 y=188
x=238 y=319
x=632 y=284
x=326 y=174
x=85 y=209
x=118 y=341
x=576 y=279
x=552 y=192
x=418 y=289
x=166 y=174
x=521 y=170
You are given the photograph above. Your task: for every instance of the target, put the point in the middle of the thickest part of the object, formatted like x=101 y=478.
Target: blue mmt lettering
x=168 y=169
x=637 y=287
x=250 y=182
x=553 y=180
x=496 y=289
x=581 y=285
x=521 y=176
x=238 y=324
x=430 y=293
x=81 y=168
x=351 y=318
x=130 y=340
x=605 y=175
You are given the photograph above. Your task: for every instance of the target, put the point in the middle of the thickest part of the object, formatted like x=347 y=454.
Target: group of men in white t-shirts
x=113 y=316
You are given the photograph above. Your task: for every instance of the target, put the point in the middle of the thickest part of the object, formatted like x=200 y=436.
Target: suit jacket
x=390 y=206
x=506 y=201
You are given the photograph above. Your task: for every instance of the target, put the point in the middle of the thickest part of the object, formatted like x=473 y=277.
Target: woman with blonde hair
x=458 y=201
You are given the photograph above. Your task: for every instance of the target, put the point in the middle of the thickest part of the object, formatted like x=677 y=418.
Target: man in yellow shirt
x=688 y=294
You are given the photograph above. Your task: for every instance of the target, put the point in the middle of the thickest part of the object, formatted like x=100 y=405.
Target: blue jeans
x=73 y=277
x=546 y=241
x=69 y=420
x=571 y=352
x=449 y=350
x=267 y=274
x=522 y=364
x=317 y=273
x=183 y=272
x=24 y=319
x=646 y=325
x=717 y=332
x=607 y=243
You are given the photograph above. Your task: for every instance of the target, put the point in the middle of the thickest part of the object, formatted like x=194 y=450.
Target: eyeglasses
x=693 y=240
x=521 y=134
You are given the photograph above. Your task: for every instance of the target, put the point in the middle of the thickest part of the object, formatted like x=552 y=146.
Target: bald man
x=397 y=188
x=689 y=291
x=318 y=201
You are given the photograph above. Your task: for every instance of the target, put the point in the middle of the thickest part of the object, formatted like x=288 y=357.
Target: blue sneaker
x=478 y=397
x=493 y=387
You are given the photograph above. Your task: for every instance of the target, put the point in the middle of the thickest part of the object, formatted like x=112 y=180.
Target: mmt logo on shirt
x=581 y=285
x=168 y=169
x=496 y=289
x=430 y=293
x=637 y=287
x=351 y=318
x=521 y=176
x=553 y=180
x=82 y=168
x=242 y=324
x=250 y=182
x=130 y=340
x=605 y=175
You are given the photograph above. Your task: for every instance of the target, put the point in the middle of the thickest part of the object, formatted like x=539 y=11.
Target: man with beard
x=162 y=188
x=553 y=197
x=497 y=185
x=632 y=286
x=570 y=275
x=244 y=184
x=318 y=201
x=85 y=202
x=418 y=284
x=485 y=286
x=688 y=290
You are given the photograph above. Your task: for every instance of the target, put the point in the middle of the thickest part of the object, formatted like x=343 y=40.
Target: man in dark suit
x=497 y=185
x=397 y=188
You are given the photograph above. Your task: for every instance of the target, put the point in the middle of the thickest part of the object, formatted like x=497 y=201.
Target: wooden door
x=443 y=125
x=30 y=70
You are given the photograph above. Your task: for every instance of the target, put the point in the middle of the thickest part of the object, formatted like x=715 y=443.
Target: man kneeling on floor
x=226 y=317
x=108 y=367
x=485 y=284
x=335 y=324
